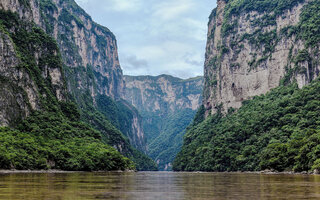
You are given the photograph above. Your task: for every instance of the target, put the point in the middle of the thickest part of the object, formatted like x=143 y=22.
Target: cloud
x=132 y=62
x=170 y=10
x=193 y=59
x=125 y=5
x=112 y=5
x=156 y=37
x=193 y=62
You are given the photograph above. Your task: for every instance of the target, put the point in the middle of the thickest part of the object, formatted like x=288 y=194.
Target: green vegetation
x=273 y=8
x=108 y=116
x=112 y=136
x=235 y=7
x=56 y=137
x=68 y=18
x=307 y=29
x=164 y=121
x=309 y=26
x=24 y=3
x=51 y=141
x=30 y=40
x=119 y=113
x=167 y=144
x=279 y=131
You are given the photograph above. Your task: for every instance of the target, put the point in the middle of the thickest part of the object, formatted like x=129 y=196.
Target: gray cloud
x=194 y=62
x=155 y=36
x=132 y=62
x=188 y=59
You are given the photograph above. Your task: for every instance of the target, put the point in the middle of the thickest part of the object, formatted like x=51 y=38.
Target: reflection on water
x=157 y=185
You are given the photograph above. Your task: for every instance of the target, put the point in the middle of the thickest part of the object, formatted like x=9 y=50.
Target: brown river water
x=157 y=185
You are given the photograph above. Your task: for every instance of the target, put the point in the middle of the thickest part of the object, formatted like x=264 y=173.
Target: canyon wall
x=253 y=48
x=89 y=71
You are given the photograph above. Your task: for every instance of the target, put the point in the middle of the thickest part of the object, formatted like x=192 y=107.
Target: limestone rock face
x=13 y=105
x=135 y=131
x=24 y=77
x=163 y=93
x=83 y=43
x=250 y=52
x=89 y=54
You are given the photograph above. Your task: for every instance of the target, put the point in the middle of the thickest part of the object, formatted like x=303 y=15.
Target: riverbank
x=36 y=171
x=259 y=172
x=289 y=172
x=53 y=171
x=267 y=172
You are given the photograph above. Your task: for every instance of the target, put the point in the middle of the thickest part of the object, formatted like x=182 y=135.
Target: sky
x=156 y=36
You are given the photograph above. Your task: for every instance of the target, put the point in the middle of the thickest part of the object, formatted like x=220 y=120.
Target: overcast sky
x=156 y=36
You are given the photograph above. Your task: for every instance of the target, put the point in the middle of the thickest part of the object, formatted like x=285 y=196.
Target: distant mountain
x=167 y=105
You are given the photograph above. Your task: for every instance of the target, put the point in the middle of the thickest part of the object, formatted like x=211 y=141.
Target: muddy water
x=157 y=185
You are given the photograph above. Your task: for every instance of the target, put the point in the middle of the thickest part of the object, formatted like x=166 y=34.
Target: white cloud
x=112 y=5
x=126 y=5
x=170 y=10
x=156 y=37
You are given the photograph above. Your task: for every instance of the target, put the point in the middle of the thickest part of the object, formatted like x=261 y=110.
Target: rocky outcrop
x=251 y=50
x=167 y=105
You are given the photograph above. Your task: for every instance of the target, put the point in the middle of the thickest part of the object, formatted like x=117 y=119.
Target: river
x=157 y=185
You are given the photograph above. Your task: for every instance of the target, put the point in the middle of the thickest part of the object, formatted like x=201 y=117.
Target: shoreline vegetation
x=278 y=131
x=58 y=134
x=54 y=171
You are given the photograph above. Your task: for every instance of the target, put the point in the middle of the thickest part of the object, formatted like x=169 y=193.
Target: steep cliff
x=45 y=128
x=90 y=65
x=31 y=70
x=167 y=105
x=125 y=117
x=256 y=46
x=82 y=42
x=261 y=93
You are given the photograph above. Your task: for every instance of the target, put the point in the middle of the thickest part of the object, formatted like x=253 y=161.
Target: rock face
x=90 y=63
x=251 y=50
x=163 y=94
x=13 y=105
x=22 y=88
x=167 y=105
x=82 y=42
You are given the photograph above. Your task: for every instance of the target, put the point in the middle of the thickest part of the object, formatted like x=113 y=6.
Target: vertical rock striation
x=31 y=69
x=82 y=42
x=90 y=66
x=253 y=47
